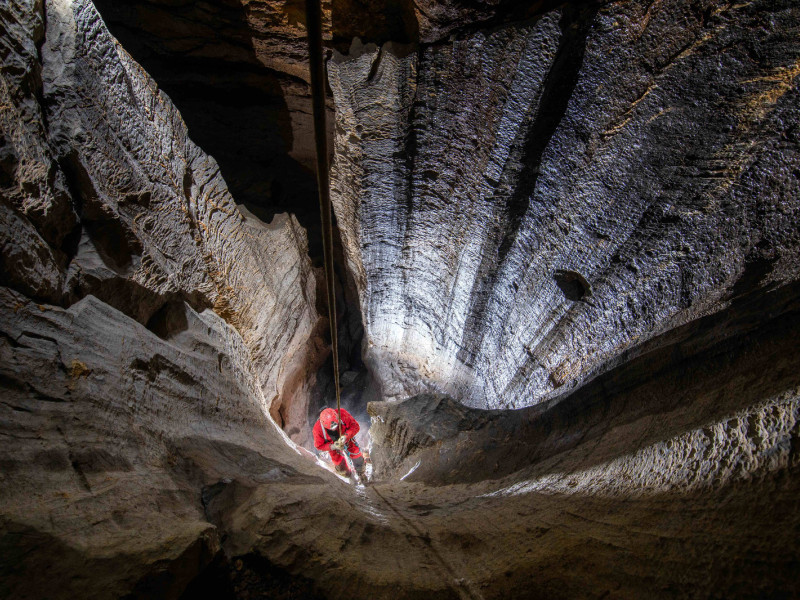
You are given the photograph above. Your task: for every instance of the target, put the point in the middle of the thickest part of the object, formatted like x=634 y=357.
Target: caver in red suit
x=327 y=431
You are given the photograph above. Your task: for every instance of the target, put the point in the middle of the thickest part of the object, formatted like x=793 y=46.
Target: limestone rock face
x=110 y=432
x=148 y=325
x=522 y=204
x=115 y=200
x=238 y=73
x=672 y=474
x=701 y=406
x=591 y=214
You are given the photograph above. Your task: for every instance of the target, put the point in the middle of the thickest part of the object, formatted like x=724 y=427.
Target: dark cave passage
x=256 y=122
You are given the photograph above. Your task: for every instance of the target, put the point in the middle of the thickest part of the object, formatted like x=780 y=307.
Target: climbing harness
x=341 y=446
x=314 y=29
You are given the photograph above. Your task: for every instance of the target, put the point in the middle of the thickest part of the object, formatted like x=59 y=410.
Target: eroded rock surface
x=672 y=475
x=524 y=224
x=109 y=435
x=108 y=196
x=520 y=205
x=148 y=324
x=238 y=72
x=670 y=412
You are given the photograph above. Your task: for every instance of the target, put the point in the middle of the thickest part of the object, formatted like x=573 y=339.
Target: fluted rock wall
x=672 y=475
x=238 y=72
x=559 y=188
x=701 y=406
x=520 y=205
x=106 y=195
x=147 y=324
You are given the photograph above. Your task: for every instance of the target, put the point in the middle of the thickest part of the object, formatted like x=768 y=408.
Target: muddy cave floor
x=674 y=474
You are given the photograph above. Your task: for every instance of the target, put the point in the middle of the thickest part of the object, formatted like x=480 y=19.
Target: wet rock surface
x=521 y=204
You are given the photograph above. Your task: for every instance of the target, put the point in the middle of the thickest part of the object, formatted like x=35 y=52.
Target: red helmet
x=328 y=417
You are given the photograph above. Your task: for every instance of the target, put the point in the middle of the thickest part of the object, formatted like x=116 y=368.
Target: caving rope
x=314 y=29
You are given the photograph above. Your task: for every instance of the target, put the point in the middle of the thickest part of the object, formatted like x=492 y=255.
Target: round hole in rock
x=573 y=285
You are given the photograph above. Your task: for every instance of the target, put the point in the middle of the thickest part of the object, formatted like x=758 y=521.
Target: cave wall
x=522 y=203
x=147 y=324
x=238 y=73
x=106 y=195
x=672 y=474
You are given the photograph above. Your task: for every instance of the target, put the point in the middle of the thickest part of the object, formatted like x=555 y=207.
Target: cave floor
x=491 y=540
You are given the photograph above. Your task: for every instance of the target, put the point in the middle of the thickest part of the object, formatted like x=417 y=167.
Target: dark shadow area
x=169 y=320
x=8 y=163
x=736 y=541
x=60 y=562
x=573 y=285
x=756 y=268
x=114 y=242
x=373 y=21
x=248 y=576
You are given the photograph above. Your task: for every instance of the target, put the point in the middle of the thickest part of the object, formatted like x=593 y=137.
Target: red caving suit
x=323 y=438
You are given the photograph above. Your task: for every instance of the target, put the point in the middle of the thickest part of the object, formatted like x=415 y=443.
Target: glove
x=339 y=444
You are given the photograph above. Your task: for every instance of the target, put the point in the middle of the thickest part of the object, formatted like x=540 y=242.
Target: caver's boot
x=361 y=466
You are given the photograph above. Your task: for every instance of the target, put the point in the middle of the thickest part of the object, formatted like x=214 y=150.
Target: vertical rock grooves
x=514 y=189
x=590 y=215
x=148 y=323
x=645 y=150
x=378 y=143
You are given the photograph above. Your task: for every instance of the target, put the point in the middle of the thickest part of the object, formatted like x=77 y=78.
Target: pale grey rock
x=701 y=406
x=647 y=150
x=148 y=325
x=32 y=183
x=147 y=333
x=109 y=434
x=156 y=220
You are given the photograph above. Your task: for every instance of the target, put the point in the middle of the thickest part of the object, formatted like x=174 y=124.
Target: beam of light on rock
x=414 y=468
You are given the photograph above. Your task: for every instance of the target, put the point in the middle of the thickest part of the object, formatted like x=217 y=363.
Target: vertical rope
x=314 y=30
